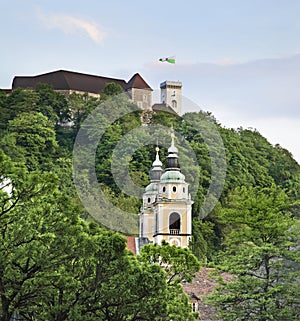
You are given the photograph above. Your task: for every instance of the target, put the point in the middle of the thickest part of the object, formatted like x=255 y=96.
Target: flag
x=170 y=60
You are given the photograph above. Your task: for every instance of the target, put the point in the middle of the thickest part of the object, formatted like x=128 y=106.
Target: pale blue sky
x=238 y=59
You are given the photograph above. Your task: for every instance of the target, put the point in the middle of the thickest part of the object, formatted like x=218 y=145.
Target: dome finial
x=172 y=149
x=157 y=161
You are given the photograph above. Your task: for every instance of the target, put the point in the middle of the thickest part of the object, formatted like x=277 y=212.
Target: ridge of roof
x=137 y=81
x=68 y=80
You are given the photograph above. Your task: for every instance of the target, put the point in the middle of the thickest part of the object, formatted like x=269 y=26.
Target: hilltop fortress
x=68 y=82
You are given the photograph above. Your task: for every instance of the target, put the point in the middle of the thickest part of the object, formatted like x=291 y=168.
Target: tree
x=31 y=137
x=37 y=229
x=180 y=265
x=109 y=90
x=52 y=104
x=261 y=254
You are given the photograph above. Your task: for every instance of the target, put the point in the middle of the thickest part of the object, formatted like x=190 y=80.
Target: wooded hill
x=251 y=227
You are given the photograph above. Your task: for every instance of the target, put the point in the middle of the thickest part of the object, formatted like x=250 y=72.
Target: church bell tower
x=166 y=213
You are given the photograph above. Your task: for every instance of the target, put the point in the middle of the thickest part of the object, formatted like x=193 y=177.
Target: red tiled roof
x=201 y=286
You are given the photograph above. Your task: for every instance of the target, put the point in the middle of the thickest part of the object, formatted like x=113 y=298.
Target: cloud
x=72 y=25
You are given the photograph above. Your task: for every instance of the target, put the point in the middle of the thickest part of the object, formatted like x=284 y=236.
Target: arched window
x=174 y=104
x=164 y=189
x=174 y=223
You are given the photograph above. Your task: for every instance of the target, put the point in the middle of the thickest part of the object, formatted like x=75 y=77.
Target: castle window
x=174 y=104
x=174 y=189
x=145 y=98
x=164 y=189
x=149 y=199
x=174 y=223
x=183 y=189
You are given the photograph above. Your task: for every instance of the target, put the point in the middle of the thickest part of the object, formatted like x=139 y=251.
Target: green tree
x=261 y=254
x=109 y=90
x=180 y=265
x=31 y=136
x=37 y=228
x=52 y=104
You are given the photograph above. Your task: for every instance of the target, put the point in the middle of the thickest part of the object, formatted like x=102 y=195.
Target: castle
x=68 y=82
x=166 y=209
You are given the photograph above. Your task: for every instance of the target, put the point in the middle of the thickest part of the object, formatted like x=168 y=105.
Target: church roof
x=70 y=80
x=172 y=177
x=138 y=82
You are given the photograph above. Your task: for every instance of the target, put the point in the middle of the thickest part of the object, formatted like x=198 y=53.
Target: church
x=166 y=212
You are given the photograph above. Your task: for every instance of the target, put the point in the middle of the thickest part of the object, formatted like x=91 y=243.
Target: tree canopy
x=58 y=263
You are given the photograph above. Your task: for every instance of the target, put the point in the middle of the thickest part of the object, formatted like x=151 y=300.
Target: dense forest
x=58 y=263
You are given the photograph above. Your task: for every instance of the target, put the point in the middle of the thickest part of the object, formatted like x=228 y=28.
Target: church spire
x=156 y=171
x=172 y=159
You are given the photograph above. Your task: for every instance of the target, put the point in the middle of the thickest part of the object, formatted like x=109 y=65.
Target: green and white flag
x=170 y=60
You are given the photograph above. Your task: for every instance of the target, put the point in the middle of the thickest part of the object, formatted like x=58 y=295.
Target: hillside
x=254 y=214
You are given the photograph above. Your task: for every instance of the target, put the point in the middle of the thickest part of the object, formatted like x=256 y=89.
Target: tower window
x=174 y=104
x=164 y=189
x=174 y=189
x=195 y=306
x=174 y=223
x=183 y=189
x=149 y=199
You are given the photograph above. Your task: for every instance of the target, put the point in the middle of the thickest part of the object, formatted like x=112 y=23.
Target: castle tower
x=140 y=92
x=171 y=95
x=166 y=213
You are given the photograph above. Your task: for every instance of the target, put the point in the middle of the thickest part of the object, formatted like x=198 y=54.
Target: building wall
x=142 y=97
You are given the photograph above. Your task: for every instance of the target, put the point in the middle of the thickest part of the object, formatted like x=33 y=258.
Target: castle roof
x=163 y=107
x=70 y=80
x=138 y=82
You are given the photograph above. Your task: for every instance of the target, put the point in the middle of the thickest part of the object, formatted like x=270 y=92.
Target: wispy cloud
x=72 y=25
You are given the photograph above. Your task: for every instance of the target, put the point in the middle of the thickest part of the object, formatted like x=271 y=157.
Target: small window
x=195 y=306
x=174 y=189
x=174 y=104
x=149 y=199
x=183 y=189
x=164 y=189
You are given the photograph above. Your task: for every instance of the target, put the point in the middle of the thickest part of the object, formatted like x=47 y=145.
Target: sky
x=239 y=60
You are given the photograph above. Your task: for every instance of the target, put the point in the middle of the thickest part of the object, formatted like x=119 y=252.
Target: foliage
x=251 y=232
x=54 y=266
x=180 y=265
x=261 y=253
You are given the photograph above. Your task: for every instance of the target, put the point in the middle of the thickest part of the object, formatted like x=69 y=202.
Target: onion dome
x=152 y=188
x=172 y=177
